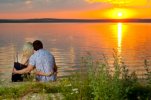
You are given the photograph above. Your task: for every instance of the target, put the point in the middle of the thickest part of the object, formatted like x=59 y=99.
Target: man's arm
x=23 y=71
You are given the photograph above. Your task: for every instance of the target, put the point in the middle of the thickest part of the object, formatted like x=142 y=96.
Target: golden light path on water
x=119 y=38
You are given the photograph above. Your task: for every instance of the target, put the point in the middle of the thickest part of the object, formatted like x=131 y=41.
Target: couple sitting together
x=35 y=57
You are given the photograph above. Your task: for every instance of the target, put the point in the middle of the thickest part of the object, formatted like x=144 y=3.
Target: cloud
x=12 y=6
x=28 y=2
x=47 y=5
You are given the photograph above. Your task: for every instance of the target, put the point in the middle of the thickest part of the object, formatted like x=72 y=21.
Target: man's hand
x=49 y=74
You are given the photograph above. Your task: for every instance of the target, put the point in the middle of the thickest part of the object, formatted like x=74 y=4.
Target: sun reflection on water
x=119 y=38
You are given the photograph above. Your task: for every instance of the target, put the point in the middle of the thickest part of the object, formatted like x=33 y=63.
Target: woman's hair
x=28 y=49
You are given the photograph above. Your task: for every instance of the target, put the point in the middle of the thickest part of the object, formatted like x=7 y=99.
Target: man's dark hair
x=37 y=44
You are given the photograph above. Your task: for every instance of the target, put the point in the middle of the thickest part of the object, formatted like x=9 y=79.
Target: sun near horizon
x=77 y=9
x=120 y=14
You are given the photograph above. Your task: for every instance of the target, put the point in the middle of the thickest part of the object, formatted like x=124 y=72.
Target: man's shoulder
x=46 y=51
x=32 y=56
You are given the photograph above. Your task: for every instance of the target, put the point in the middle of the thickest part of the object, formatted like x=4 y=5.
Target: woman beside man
x=35 y=57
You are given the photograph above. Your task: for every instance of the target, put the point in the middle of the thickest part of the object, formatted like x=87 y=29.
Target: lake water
x=69 y=42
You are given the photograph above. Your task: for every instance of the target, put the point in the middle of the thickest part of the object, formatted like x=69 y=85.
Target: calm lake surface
x=69 y=42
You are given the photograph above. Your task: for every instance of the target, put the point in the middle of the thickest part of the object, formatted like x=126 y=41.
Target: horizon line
x=66 y=18
x=69 y=20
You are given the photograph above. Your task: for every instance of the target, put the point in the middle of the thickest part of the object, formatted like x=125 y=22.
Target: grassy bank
x=94 y=81
x=97 y=80
x=19 y=90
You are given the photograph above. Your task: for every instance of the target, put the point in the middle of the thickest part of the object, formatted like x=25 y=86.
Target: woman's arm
x=43 y=74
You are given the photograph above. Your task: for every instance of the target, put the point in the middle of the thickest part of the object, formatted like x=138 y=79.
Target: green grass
x=17 y=90
x=94 y=81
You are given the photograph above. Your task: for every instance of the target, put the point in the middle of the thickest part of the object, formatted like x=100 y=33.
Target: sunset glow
x=120 y=13
x=75 y=49
x=123 y=2
x=84 y=9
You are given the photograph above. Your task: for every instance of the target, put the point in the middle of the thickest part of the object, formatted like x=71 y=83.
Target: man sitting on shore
x=43 y=61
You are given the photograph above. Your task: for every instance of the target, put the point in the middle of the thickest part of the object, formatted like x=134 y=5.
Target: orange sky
x=75 y=9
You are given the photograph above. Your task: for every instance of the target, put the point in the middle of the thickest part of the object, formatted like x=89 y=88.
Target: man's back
x=43 y=61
